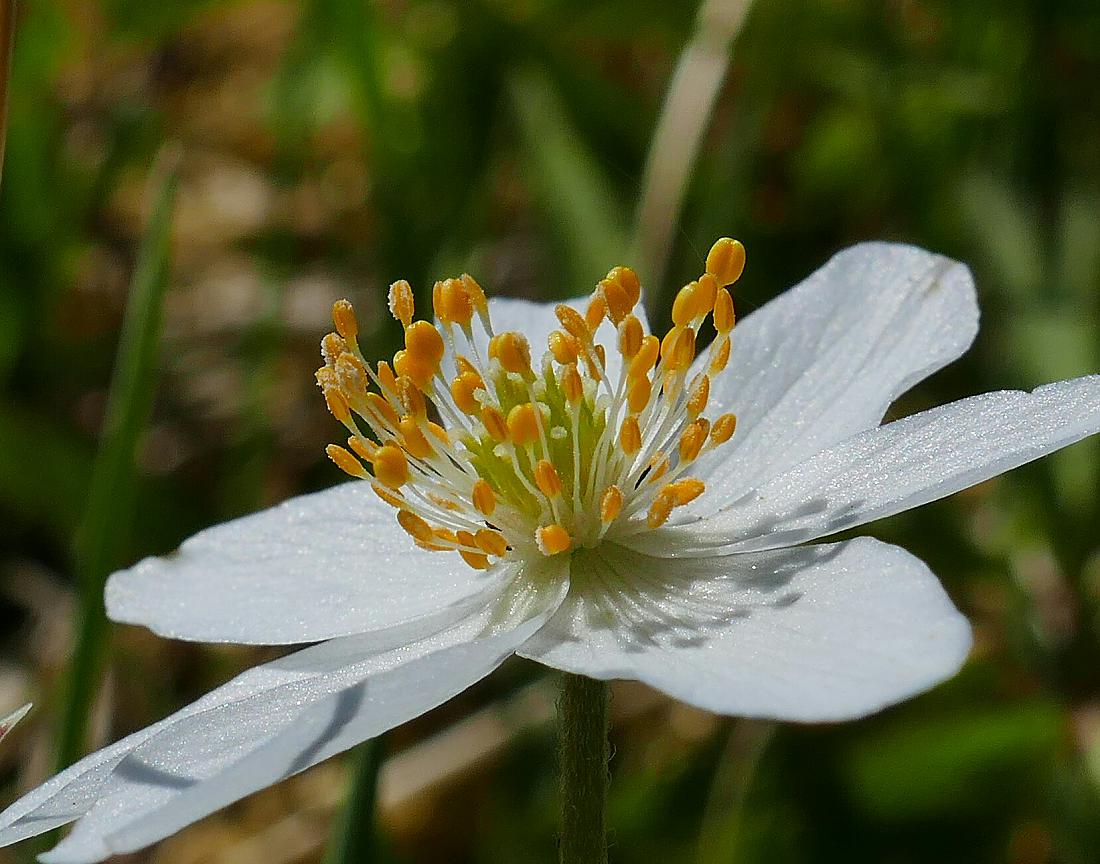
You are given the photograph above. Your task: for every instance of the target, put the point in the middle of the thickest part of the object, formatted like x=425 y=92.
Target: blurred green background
x=332 y=146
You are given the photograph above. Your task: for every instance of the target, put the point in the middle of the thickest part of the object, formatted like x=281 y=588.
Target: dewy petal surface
x=268 y=723
x=815 y=633
x=315 y=567
x=895 y=467
x=825 y=359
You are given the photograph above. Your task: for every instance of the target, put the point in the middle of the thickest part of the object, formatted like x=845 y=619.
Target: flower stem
x=355 y=834
x=582 y=723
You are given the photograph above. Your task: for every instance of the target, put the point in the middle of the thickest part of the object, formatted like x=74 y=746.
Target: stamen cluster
x=482 y=453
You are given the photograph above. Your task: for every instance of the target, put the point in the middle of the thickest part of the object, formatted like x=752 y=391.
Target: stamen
x=346 y=462
x=402 y=302
x=484 y=499
x=553 y=539
x=391 y=467
x=726 y=260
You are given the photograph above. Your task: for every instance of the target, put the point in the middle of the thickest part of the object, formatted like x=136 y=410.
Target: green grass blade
x=355 y=834
x=101 y=539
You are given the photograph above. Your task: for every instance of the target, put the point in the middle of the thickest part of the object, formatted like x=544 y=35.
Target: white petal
x=315 y=567
x=895 y=467
x=269 y=723
x=810 y=634
x=825 y=359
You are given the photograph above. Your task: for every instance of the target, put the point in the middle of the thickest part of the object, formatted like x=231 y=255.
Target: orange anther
x=706 y=290
x=685 y=306
x=392 y=498
x=658 y=466
x=660 y=509
x=693 y=438
x=343 y=316
x=391 y=468
x=495 y=423
x=595 y=311
x=386 y=377
x=452 y=302
x=547 y=479
x=630 y=336
x=720 y=354
x=626 y=279
x=645 y=358
x=352 y=375
x=402 y=303
x=474 y=559
x=611 y=504
x=638 y=393
x=484 y=499
x=630 y=435
x=552 y=539
x=415 y=526
x=678 y=348
x=699 y=394
x=573 y=322
x=523 y=424
x=491 y=542
x=439 y=433
x=332 y=346
x=723 y=429
x=475 y=292
x=346 y=462
x=513 y=352
x=424 y=344
x=564 y=347
x=410 y=397
x=571 y=384
x=405 y=366
x=616 y=300
x=726 y=260
x=337 y=403
x=383 y=408
x=462 y=391
x=723 y=312
x=412 y=437
x=362 y=447
x=685 y=491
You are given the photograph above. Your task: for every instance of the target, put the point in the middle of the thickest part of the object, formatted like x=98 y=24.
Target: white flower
x=603 y=527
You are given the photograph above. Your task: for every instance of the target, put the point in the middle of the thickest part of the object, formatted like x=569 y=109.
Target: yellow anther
x=726 y=260
x=678 y=349
x=392 y=498
x=445 y=503
x=626 y=279
x=723 y=312
x=564 y=347
x=685 y=491
x=364 y=448
x=658 y=466
x=685 y=306
x=386 y=377
x=573 y=322
x=645 y=358
x=346 y=462
x=547 y=479
x=630 y=336
x=723 y=429
x=552 y=539
x=706 y=291
x=343 y=316
x=495 y=423
x=611 y=504
x=352 y=375
x=383 y=408
x=616 y=300
x=332 y=346
x=402 y=303
x=474 y=292
x=465 y=538
x=571 y=384
x=405 y=366
x=415 y=526
x=412 y=437
x=523 y=424
x=660 y=509
x=601 y=356
x=484 y=499
x=513 y=352
x=424 y=344
x=595 y=311
x=630 y=435
x=464 y=365
x=693 y=438
x=697 y=399
x=491 y=542
x=462 y=391
x=326 y=378
x=720 y=355
x=455 y=303
x=638 y=393
x=337 y=403
x=391 y=468
x=437 y=302
x=475 y=559
x=410 y=397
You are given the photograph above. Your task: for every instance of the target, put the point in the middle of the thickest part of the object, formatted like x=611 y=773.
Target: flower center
x=482 y=453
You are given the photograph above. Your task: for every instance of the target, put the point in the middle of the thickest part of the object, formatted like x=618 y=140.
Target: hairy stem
x=582 y=723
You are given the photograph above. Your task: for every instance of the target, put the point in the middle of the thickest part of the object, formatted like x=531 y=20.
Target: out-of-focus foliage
x=332 y=146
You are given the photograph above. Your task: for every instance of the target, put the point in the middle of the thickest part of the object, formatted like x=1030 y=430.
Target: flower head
x=487 y=449
x=576 y=492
